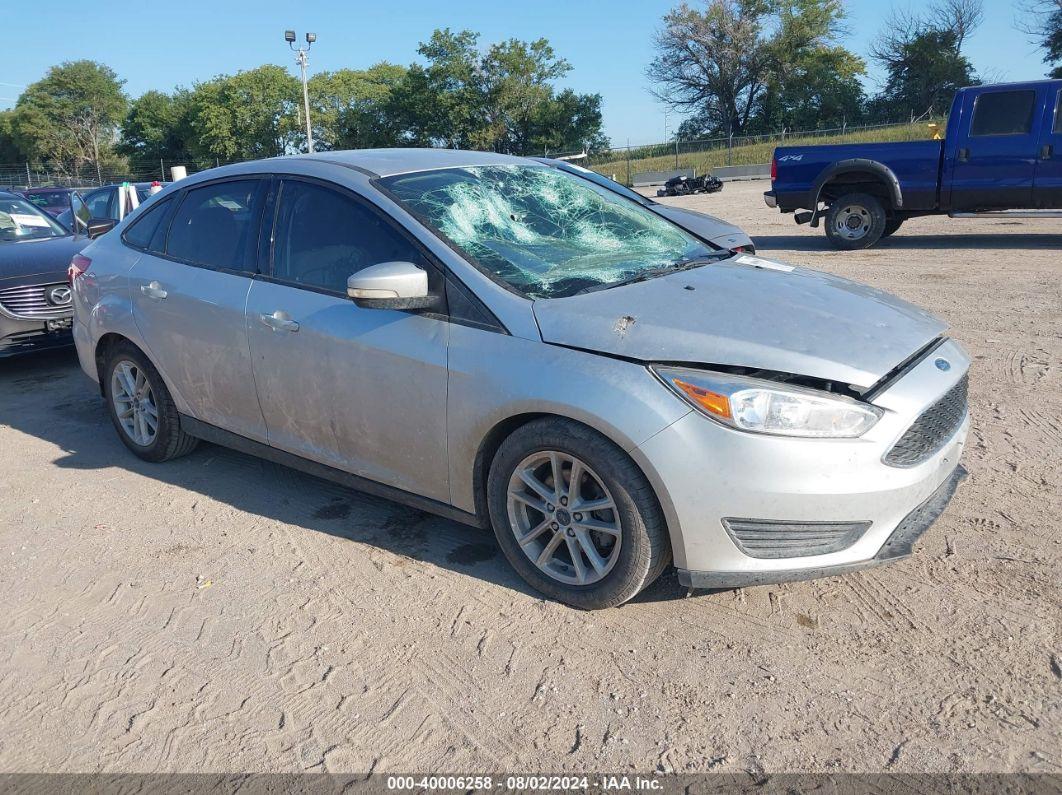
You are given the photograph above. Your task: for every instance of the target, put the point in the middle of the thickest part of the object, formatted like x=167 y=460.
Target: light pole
x=300 y=59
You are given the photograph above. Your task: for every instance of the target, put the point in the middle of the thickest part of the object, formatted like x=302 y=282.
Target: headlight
x=751 y=404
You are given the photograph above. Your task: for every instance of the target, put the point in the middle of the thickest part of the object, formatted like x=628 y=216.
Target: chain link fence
x=618 y=162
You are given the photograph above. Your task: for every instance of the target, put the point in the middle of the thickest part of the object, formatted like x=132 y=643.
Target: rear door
x=189 y=292
x=997 y=152
x=363 y=390
x=1047 y=188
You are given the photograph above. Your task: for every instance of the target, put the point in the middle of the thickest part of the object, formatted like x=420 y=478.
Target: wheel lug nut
x=564 y=500
x=550 y=507
x=578 y=517
x=571 y=532
x=554 y=526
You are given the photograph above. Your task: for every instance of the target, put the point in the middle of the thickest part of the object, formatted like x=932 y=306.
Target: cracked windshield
x=546 y=233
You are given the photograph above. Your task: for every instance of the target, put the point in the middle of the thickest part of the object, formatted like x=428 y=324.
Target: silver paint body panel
x=408 y=399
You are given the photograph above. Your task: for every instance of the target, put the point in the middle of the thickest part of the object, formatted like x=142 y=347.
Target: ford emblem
x=943 y=364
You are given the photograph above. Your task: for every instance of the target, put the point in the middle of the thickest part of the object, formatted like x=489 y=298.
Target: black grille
x=767 y=538
x=932 y=430
x=32 y=302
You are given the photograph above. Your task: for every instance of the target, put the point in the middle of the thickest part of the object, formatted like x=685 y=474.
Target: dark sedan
x=52 y=200
x=35 y=251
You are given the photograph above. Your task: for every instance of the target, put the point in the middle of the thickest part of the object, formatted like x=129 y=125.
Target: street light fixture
x=300 y=59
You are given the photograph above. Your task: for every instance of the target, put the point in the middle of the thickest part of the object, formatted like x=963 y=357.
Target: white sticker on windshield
x=759 y=262
x=25 y=219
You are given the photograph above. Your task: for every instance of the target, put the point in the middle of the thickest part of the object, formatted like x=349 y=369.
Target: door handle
x=963 y=154
x=1047 y=152
x=153 y=290
x=279 y=321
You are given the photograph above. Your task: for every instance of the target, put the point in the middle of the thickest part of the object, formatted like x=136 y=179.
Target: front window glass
x=323 y=237
x=543 y=232
x=53 y=200
x=20 y=220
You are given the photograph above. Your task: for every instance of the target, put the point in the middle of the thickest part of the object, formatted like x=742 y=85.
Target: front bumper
x=704 y=473
x=898 y=546
x=19 y=336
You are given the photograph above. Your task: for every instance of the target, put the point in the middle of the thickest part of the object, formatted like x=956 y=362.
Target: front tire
x=575 y=516
x=855 y=221
x=141 y=407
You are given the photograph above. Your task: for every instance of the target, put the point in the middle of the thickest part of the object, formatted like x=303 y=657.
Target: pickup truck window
x=1058 y=114
x=1003 y=113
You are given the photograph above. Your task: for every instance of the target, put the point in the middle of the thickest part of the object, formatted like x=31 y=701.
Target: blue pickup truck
x=1001 y=155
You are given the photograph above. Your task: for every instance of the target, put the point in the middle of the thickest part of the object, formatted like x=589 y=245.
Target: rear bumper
x=770 y=199
x=899 y=545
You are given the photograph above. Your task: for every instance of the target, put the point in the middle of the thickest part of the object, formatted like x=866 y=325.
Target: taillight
x=78 y=266
x=774 y=169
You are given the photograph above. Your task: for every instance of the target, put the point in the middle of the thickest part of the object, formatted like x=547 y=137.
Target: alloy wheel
x=564 y=518
x=134 y=403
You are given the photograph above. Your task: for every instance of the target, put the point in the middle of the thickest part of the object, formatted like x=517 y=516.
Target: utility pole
x=300 y=59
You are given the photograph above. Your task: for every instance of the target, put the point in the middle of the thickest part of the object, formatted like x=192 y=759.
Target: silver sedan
x=514 y=346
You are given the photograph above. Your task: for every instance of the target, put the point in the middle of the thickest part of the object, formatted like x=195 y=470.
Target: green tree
x=70 y=117
x=923 y=59
x=504 y=99
x=248 y=115
x=355 y=108
x=157 y=126
x=1043 y=23
x=9 y=150
x=745 y=66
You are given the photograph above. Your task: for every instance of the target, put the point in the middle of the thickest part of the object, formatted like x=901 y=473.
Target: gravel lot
x=219 y=613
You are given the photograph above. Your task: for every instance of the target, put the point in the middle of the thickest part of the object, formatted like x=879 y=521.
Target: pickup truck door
x=1047 y=187
x=997 y=149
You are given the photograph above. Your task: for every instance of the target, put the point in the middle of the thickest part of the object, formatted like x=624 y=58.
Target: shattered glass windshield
x=545 y=233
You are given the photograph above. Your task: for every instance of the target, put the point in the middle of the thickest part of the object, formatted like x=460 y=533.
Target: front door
x=996 y=157
x=1047 y=188
x=363 y=390
x=189 y=296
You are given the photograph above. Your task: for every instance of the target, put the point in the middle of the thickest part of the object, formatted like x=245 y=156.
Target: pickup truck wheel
x=891 y=226
x=855 y=220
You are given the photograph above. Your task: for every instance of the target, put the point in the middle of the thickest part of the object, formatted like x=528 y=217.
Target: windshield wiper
x=675 y=267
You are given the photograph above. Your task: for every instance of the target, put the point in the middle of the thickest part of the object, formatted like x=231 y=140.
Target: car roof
x=388 y=162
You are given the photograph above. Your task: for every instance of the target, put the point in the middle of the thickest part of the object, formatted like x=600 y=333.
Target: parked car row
x=524 y=346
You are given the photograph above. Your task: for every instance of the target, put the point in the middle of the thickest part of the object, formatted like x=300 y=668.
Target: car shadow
x=900 y=241
x=47 y=396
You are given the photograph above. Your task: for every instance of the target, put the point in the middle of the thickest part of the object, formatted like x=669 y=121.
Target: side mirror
x=391 y=285
x=99 y=226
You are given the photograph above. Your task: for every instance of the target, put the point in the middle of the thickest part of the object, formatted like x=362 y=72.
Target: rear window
x=143 y=229
x=1003 y=113
x=215 y=226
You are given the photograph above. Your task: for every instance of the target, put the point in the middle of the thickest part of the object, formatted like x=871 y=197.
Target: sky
x=161 y=45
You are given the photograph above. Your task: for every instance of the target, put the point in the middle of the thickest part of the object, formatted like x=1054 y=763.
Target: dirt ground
x=219 y=613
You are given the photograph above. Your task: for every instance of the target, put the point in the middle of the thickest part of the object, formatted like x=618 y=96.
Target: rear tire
x=891 y=226
x=141 y=408
x=855 y=221
x=620 y=549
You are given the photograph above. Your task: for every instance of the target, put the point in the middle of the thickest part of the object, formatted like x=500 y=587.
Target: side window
x=1003 y=113
x=1057 y=129
x=322 y=237
x=99 y=203
x=140 y=233
x=216 y=225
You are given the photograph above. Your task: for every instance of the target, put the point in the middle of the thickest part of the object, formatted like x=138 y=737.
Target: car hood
x=707 y=227
x=747 y=312
x=43 y=259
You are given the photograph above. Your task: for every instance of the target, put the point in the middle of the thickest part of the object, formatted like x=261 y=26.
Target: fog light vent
x=768 y=538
